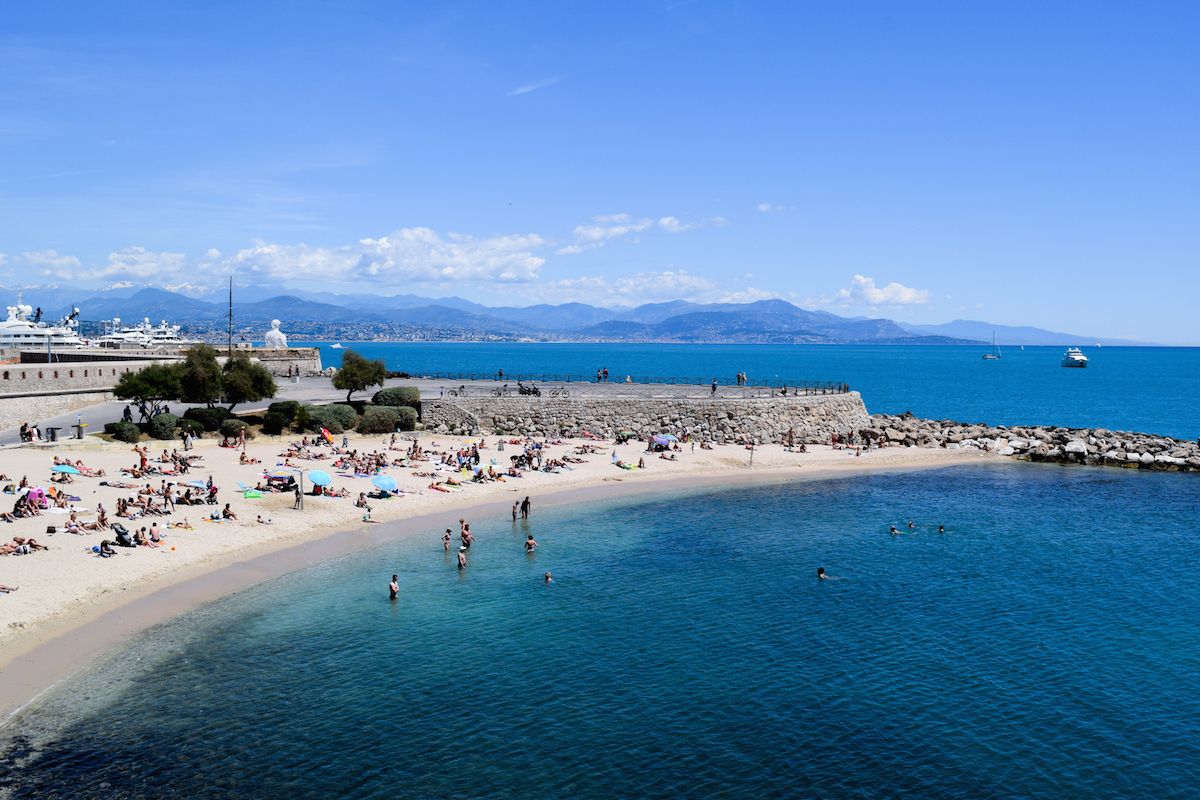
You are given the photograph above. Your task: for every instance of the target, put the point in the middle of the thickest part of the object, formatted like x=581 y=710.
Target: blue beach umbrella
x=384 y=482
x=319 y=478
x=64 y=468
x=197 y=484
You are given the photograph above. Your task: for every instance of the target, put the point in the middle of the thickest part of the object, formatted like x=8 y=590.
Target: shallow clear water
x=1045 y=646
x=1147 y=389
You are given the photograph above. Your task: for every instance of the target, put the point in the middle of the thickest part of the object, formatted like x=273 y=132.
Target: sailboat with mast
x=995 y=354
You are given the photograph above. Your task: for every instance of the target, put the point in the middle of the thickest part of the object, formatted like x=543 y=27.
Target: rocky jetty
x=1096 y=446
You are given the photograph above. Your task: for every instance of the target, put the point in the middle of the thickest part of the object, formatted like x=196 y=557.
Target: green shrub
x=210 y=418
x=379 y=419
x=232 y=427
x=191 y=425
x=286 y=409
x=274 y=423
x=111 y=427
x=126 y=432
x=336 y=418
x=408 y=418
x=398 y=396
x=162 y=426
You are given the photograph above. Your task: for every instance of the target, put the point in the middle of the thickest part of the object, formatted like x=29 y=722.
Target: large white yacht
x=1074 y=357
x=143 y=335
x=24 y=330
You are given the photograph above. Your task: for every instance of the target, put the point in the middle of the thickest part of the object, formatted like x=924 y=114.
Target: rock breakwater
x=1096 y=446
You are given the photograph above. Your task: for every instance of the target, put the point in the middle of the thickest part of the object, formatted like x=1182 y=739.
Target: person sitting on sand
x=262 y=521
x=106 y=549
x=6 y=589
x=243 y=459
x=227 y=513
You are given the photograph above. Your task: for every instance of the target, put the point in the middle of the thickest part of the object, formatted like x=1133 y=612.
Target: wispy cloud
x=533 y=87
x=607 y=227
x=864 y=292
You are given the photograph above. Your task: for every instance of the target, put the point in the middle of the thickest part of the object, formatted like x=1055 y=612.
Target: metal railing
x=799 y=386
x=560 y=389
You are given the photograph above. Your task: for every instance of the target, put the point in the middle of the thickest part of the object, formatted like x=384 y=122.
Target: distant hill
x=409 y=315
x=1012 y=335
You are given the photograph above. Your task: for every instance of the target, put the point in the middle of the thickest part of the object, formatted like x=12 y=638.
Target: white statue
x=275 y=338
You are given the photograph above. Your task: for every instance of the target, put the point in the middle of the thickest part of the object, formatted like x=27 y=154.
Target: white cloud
x=863 y=291
x=533 y=87
x=405 y=256
x=674 y=225
x=50 y=259
x=213 y=254
x=749 y=295
x=613 y=226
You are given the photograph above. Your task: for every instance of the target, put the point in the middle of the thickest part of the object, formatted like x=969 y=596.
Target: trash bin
x=78 y=431
x=53 y=433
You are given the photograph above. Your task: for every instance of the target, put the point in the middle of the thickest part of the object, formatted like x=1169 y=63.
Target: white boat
x=995 y=354
x=337 y=346
x=24 y=330
x=1074 y=358
x=144 y=335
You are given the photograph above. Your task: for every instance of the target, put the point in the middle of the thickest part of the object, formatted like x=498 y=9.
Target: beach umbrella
x=278 y=475
x=384 y=482
x=197 y=484
x=319 y=478
x=64 y=468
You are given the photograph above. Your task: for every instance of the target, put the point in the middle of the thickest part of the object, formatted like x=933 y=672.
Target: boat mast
x=229 y=354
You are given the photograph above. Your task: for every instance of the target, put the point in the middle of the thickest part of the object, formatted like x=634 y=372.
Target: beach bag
x=51 y=529
x=119 y=528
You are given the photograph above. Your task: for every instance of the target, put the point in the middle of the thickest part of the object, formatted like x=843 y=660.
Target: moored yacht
x=1074 y=357
x=143 y=335
x=24 y=330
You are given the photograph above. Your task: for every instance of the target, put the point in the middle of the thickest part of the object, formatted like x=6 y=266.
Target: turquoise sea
x=1045 y=646
x=1146 y=389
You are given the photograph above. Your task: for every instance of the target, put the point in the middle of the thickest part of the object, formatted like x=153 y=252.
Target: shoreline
x=36 y=662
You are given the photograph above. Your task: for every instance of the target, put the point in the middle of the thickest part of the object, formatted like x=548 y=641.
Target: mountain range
x=325 y=314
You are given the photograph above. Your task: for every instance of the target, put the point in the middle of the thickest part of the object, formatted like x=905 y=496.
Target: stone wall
x=50 y=379
x=763 y=420
x=308 y=359
x=15 y=410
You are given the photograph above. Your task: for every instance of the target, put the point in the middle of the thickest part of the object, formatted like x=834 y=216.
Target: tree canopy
x=200 y=376
x=150 y=388
x=245 y=381
x=358 y=373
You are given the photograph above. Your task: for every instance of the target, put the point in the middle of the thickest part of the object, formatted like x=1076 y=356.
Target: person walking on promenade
x=714 y=387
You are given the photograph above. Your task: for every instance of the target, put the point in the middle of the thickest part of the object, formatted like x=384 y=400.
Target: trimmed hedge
x=284 y=408
x=336 y=418
x=125 y=432
x=232 y=427
x=191 y=425
x=162 y=426
x=398 y=396
x=210 y=418
x=273 y=422
x=408 y=418
x=379 y=419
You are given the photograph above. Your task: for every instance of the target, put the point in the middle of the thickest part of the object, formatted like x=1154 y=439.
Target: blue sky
x=1020 y=163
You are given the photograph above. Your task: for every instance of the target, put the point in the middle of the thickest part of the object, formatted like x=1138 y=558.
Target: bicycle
x=560 y=391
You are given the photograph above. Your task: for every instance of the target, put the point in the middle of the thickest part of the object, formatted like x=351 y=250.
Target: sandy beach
x=46 y=629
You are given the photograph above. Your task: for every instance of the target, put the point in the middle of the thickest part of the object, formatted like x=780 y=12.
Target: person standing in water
x=394 y=587
x=462 y=558
x=446 y=541
x=516 y=508
x=525 y=506
x=530 y=543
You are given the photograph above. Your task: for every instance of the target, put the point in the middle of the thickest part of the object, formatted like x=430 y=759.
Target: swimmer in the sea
x=941 y=528
x=394 y=586
x=912 y=525
x=549 y=578
x=821 y=576
x=892 y=530
x=530 y=543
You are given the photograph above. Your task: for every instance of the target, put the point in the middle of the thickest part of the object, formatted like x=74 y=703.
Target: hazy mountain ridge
x=346 y=315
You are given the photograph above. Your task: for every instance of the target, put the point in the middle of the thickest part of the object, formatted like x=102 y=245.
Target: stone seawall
x=15 y=410
x=1095 y=446
x=279 y=361
x=762 y=420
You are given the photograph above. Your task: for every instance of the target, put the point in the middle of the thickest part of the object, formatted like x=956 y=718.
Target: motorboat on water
x=337 y=346
x=144 y=335
x=1074 y=357
x=24 y=330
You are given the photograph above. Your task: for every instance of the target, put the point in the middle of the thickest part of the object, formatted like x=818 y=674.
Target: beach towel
x=250 y=494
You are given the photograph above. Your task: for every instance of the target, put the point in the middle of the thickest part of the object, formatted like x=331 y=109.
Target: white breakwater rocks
x=1040 y=442
x=762 y=420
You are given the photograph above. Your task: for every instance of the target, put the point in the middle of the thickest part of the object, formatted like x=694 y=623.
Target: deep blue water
x=1147 y=389
x=1046 y=646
